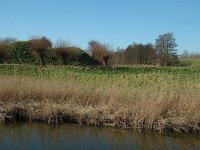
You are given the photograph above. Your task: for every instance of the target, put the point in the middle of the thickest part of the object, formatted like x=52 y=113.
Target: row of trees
x=135 y=54
x=41 y=50
x=163 y=53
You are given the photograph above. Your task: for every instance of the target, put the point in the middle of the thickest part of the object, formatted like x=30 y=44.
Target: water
x=31 y=136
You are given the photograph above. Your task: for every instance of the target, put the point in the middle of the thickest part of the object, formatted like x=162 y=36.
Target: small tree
x=100 y=52
x=165 y=47
x=38 y=47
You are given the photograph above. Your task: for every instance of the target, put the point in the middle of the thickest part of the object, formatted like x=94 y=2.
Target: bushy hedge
x=21 y=54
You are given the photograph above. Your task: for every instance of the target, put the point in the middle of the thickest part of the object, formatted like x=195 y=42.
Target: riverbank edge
x=20 y=114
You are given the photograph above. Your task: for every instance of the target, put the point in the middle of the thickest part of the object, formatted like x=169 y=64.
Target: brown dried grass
x=168 y=109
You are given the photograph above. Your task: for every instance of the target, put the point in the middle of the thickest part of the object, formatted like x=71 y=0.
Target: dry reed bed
x=171 y=108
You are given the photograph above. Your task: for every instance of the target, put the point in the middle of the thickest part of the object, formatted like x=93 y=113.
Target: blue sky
x=116 y=22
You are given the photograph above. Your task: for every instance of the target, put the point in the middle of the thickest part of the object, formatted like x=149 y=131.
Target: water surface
x=31 y=136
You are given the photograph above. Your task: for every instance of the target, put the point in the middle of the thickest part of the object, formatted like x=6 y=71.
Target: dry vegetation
x=145 y=101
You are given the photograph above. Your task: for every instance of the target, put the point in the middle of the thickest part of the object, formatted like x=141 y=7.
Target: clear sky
x=117 y=22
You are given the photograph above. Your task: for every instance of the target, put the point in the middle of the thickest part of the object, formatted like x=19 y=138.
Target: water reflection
x=43 y=136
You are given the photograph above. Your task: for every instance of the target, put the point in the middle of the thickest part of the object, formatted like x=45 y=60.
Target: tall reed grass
x=144 y=102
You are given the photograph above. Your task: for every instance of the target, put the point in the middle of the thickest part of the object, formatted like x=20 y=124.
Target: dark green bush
x=86 y=59
x=20 y=53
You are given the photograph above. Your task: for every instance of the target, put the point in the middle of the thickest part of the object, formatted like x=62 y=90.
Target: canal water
x=32 y=136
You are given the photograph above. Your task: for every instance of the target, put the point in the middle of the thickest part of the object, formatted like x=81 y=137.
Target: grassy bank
x=191 y=62
x=143 y=98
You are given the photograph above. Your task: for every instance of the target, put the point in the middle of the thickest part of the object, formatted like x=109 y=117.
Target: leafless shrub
x=100 y=52
x=38 y=47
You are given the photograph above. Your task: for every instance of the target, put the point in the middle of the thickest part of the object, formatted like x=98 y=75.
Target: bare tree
x=100 y=52
x=185 y=54
x=62 y=43
x=117 y=57
x=38 y=47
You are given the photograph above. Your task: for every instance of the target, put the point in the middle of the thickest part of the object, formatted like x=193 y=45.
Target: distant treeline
x=187 y=54
x=41 y=51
